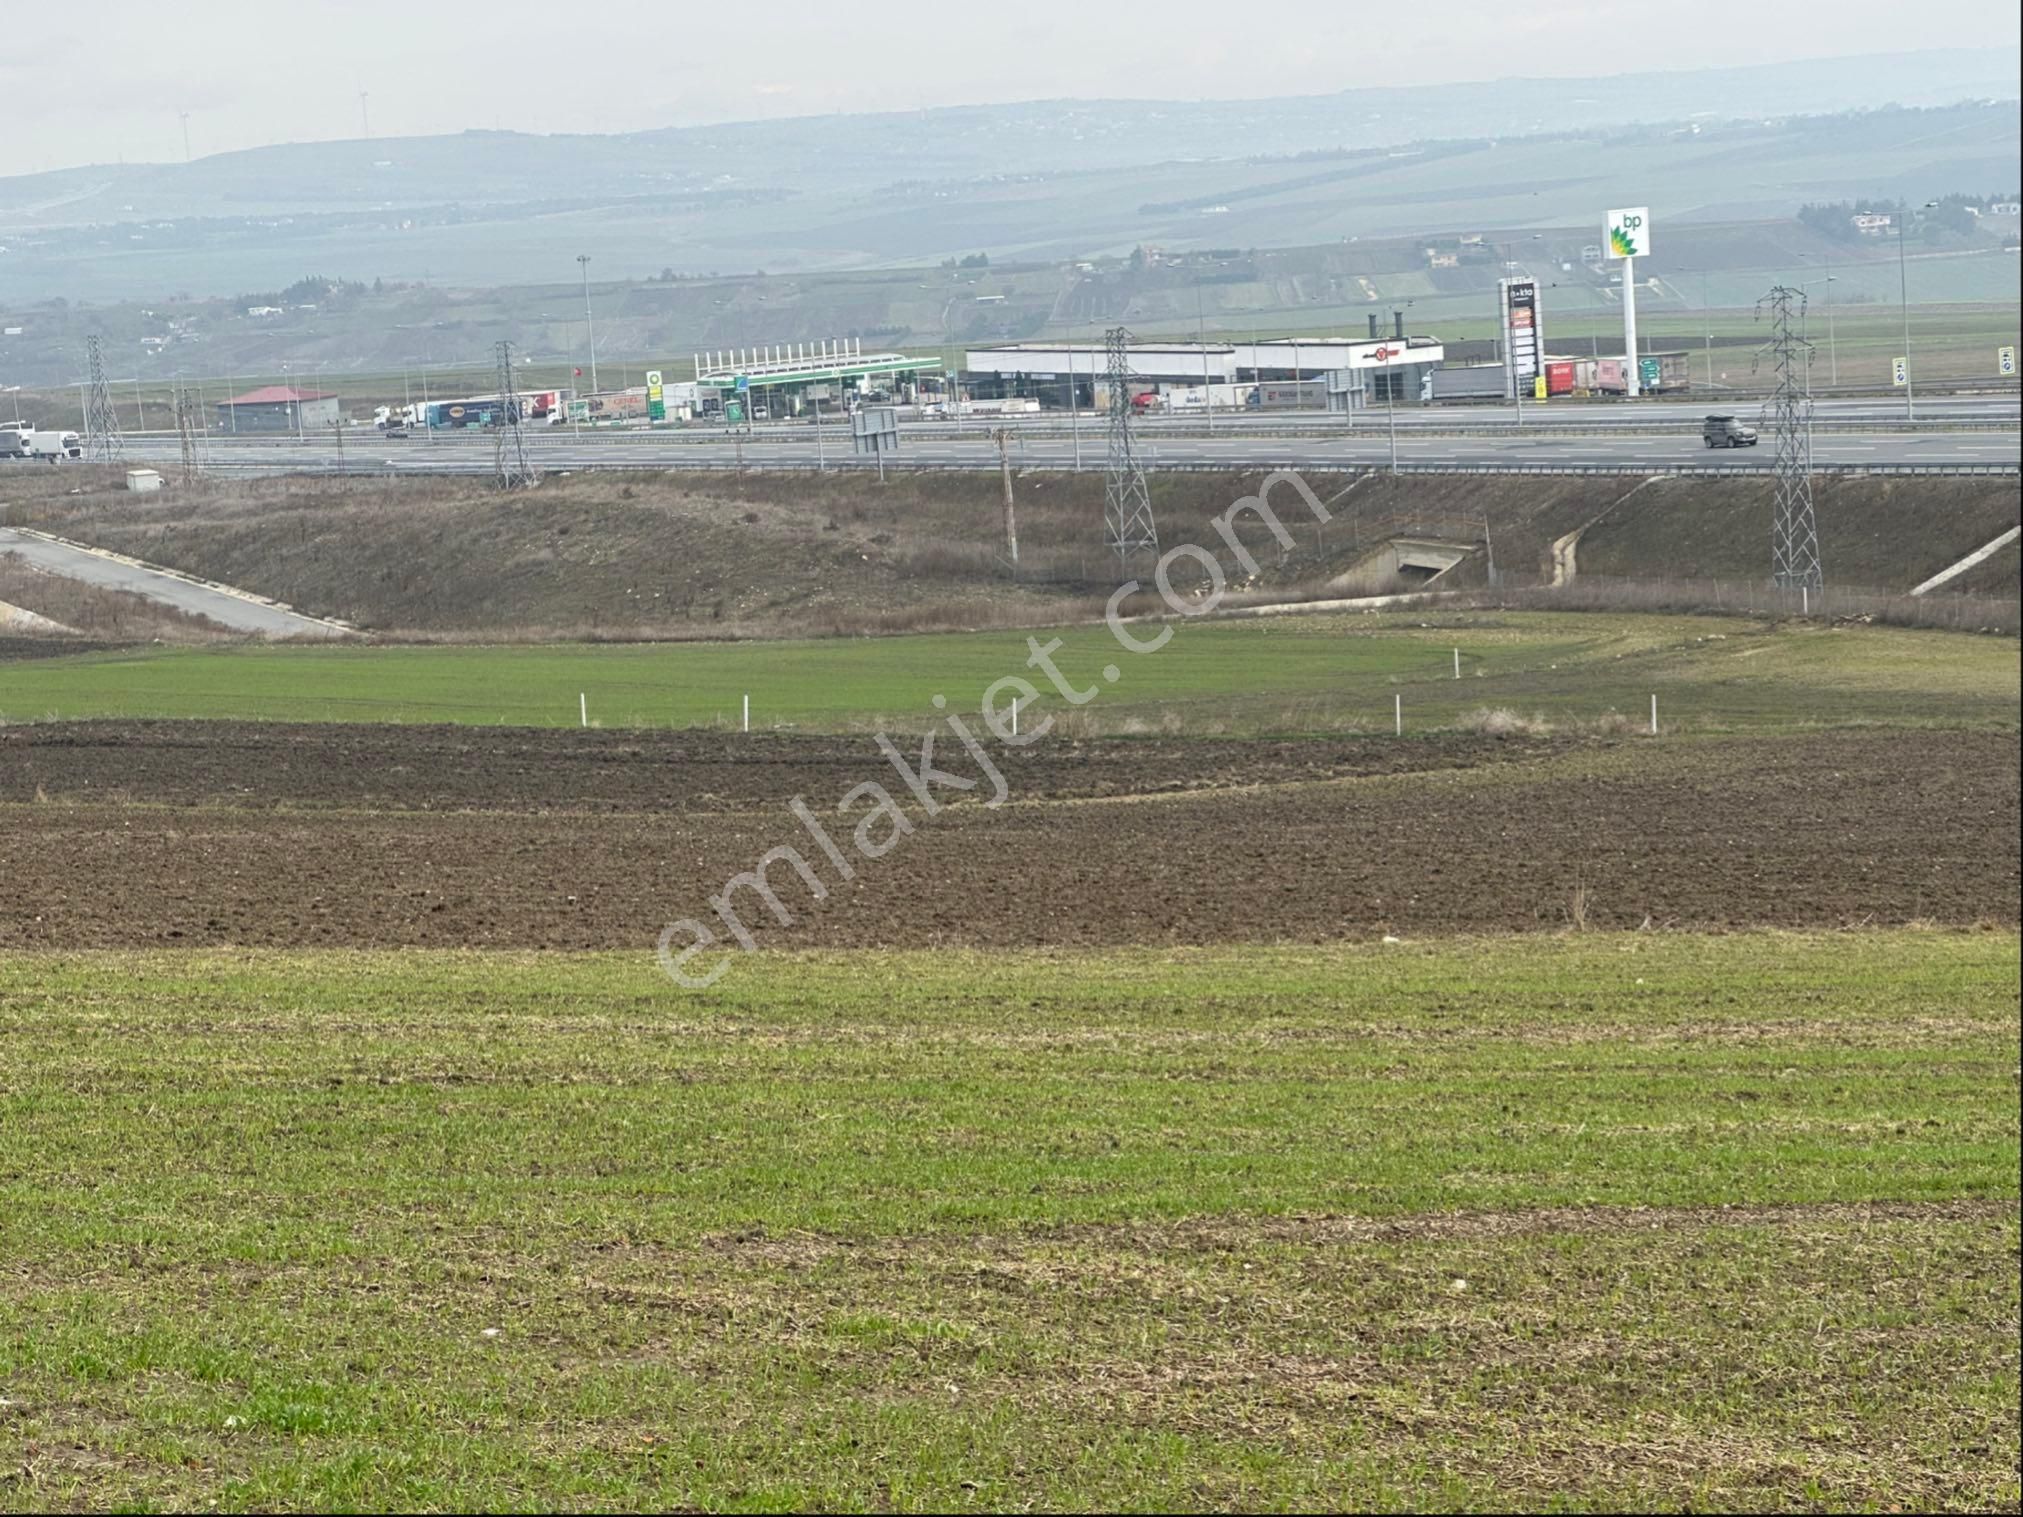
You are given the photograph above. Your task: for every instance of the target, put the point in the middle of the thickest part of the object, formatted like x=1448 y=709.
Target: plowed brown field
x=223 y=834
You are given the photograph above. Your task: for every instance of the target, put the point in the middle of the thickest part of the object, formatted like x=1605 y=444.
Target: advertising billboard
x=656 y=397
x=1630 y=232
x=1523 y=332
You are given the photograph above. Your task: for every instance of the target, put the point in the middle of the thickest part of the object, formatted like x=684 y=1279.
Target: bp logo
x=1629 y=233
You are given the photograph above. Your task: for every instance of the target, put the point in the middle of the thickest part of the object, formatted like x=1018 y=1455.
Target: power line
x=1794 y=531
x=101 y=420
x=511 y=466
x=1127 y=504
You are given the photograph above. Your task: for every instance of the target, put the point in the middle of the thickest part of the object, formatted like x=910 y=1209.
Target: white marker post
x=1398 y=706
x=1654 y=716
x=1457 y=663
x=1015 y=716
x=583 y=706
x=748 y=713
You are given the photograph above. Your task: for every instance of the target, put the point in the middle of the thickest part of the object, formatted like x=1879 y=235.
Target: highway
x=930 y=445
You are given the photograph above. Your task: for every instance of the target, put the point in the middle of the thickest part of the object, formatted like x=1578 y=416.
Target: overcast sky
x=106 y=82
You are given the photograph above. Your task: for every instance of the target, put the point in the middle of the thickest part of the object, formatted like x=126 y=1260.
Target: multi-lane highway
x=1952 y=431
x=922 y=447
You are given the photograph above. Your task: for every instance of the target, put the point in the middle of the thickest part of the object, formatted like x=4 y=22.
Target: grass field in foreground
x=1592 y=1221
x=1270 y=674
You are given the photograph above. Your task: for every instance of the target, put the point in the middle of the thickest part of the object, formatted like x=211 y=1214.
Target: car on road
x=395 y=432
x=1727 y=432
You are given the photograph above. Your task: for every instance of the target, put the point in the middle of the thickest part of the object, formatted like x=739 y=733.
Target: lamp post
x=589 y=324
x=1904 y=298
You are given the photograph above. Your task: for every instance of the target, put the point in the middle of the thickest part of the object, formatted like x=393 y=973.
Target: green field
x=1594 y=1222
x=1318 y=671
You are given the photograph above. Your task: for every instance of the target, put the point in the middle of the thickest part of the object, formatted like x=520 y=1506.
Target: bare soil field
x=130 y=835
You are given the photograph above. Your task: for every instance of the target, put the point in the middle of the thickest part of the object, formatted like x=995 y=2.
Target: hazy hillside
x=1044 y=179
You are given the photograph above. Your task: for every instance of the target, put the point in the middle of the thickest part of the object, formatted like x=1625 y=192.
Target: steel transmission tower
x=101 y=421
x=186 y=421
x=1127 y=506
x=511 y=465
x=1794 y=533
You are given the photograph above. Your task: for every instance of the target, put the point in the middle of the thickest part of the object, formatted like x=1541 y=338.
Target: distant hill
x=1057 y=179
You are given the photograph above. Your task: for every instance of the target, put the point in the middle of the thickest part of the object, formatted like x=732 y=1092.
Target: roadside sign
x=2005 y=362
x=733 y=411
x=744 y=382
x=1630 y=232
x=1538 y=388
x=656 y=397
x=1900 y=372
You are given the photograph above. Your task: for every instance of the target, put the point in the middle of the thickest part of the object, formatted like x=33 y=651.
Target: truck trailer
x=1480 y=381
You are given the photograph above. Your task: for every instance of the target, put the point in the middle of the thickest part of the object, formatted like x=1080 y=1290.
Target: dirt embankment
x=688 y=555
x=599 y=844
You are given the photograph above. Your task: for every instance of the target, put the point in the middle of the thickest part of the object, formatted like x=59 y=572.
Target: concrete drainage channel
x=226 y=605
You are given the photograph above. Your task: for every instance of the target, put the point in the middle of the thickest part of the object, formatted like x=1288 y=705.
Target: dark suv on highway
x=1727 y=432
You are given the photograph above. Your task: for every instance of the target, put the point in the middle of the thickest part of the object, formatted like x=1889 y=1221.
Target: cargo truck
x=16 y=442
x=54 y=446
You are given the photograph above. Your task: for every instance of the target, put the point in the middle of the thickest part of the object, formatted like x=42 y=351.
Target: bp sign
x=656 y=397
x=1630 y=232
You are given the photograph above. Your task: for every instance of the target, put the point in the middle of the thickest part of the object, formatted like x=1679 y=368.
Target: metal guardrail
x=483 y=468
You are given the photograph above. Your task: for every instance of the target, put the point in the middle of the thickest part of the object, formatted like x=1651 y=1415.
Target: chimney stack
x=1398 y=325
x=1373 y=326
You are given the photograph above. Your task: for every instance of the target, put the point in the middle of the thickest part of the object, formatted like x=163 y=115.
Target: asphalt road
x=221 y=606
x=1366 y=445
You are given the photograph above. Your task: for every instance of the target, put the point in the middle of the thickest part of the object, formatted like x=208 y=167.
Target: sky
x=252 y=72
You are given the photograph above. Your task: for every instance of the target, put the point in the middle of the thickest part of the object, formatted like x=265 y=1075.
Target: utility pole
x=1002 y=435
x=364 y=118
x=1127 y=504
x=589 y=324
x=1794 y=534
x=101 y=421
x=184 y=116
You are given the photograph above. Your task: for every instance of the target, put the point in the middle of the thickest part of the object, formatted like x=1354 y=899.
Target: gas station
x=793 y=379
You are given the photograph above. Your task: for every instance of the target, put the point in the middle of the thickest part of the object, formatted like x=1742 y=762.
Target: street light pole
x=1904 y=298
x=1391 y=392
x=589 y=324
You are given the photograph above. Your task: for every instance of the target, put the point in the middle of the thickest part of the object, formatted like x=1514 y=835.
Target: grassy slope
x=981 y=1231
x=1321 y=669
x=611 y=556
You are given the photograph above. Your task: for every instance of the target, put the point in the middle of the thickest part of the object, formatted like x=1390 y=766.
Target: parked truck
x=17 y=442
x=1480 y=381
